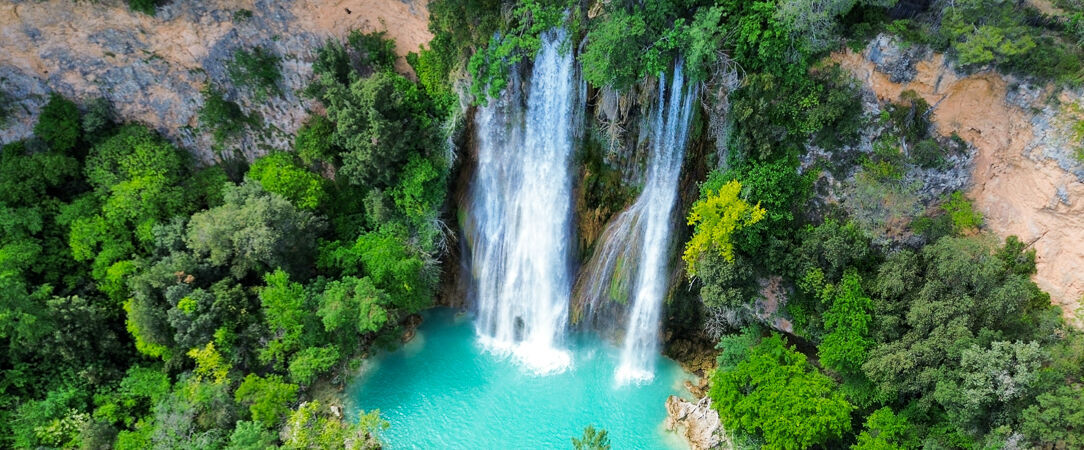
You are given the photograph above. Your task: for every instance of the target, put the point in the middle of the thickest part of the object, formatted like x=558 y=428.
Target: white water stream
x=520 y=226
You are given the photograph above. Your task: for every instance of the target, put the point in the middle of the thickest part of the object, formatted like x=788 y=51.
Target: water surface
x=443 y=391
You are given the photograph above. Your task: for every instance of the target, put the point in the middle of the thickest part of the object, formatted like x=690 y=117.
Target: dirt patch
x=1020 y=188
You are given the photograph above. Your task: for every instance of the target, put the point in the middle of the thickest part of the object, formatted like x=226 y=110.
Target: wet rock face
x=152 y=68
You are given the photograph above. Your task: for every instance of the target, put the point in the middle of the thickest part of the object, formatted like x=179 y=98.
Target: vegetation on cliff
x=147 y=302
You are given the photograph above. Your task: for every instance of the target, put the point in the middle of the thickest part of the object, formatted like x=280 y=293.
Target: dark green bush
x=927 y=154
x=256 y=70
x=58 y=125
x=144 y=6
x=374 y=49
x=314 y=141
x=223 y=118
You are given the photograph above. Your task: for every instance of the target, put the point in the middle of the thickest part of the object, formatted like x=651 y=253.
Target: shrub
x=223 y=118
x=256 y=70
x=58 y=125
x=963 y=215
x=144 y=6
x=314 y=140
x=98 y=118
x=374 y=49
x=927 y=154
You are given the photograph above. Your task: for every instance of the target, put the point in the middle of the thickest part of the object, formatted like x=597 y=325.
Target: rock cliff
x=1023 y=178
x=152 y=68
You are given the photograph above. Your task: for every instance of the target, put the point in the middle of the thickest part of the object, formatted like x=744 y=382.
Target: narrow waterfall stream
x=654 y=216
x=521 y=212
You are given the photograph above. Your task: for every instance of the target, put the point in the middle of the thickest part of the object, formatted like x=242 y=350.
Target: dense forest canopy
x=146 y=301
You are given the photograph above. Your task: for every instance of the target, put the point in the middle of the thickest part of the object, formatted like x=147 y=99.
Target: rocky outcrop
x=152 y=68
x=697 y=422
x=1024 y=177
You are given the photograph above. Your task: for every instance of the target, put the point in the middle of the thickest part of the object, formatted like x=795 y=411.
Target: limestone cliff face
x=1022 y=175
x=152 y=68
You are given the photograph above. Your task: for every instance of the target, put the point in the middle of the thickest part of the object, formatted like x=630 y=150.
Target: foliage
x=144 y=6
x=98 y=119
x=222 y=117
x=847 y=321
x=371 y=116
x=963 y=215
x=614 y=42
x=59 y=124
x=1056 y=418
x=311 y=427
x=278 y=173
x=935 y=303
x=269 y=398
x=257 y=70
x=775 y=393
x=254 y=232
x=519 y=40
x=886 y=430
x=209 y=364
x=592 y=439
x=314 y=141
x=716 y=216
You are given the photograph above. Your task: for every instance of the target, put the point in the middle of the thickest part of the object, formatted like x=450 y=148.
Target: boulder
x=697 y=422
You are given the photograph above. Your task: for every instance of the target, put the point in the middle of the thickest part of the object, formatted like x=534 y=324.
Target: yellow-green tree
x=716 y=217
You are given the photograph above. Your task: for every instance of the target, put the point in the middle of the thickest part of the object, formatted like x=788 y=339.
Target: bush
x=144 y=6
x=374 y=49
x=223 y=118
x=314 y=141
x=963 y=215
x=278 y=173
x=98 y=119
x=58 y=125
x=256 y=70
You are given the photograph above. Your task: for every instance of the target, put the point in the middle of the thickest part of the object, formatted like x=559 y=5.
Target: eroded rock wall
x=1024 y=178
x=152 y=68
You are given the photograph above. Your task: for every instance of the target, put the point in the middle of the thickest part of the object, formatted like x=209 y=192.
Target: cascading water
x=520 y=213
x=653 y=213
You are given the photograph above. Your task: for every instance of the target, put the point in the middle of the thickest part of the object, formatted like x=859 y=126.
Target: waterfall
x=520 y=224
x=653 y=215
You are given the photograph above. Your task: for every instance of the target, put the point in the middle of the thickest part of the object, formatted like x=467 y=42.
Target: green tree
x=222 y=117
x=885 y=430
x=1056 y=418
x=314 y=141
x=254 y=232
x=252 y=435
x=847 y=321
x=391 y=265
x=715 y=218
x=592 y=439
x=285 y=306
x=372 y=115
x=311 y=362
x=268 y=399
x=992 y=384
x=278 y=173
x=353 y=305
x=615 y=43
x=774 y=392
x=312 y=426
x=59 y=124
